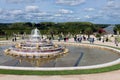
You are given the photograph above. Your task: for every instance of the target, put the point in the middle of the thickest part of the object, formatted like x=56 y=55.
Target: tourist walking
x=80 y=39
x=116 y=41
x=84 y=38
x=92 y=40
x=75 y=38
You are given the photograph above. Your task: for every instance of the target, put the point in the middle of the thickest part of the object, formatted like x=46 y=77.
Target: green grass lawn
x=65 y=72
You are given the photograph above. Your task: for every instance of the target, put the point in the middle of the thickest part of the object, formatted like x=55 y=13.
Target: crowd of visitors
x=83 y=38
x=80 y=39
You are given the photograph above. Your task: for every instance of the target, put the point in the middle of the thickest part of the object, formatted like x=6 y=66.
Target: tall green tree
x=88 y=31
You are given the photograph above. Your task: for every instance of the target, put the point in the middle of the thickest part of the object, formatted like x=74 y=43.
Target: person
x=103 y=39
x=67 y=38
x=93 y=40
x=12 y=39
x=84 y=38
x=75 y=38
x=90 y=40
x=15 y=39
x=64 y=39
x=107 y=39
x=22 y=36
x=49 y=38
x=116 y=41
x=99 y=38
x=42 y=37
x=80 y=39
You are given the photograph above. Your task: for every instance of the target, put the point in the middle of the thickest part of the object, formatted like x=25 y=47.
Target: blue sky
x=95 y=11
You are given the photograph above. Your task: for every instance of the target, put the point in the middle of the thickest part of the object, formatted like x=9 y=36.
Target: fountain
x=44 y=53
x=36 y=49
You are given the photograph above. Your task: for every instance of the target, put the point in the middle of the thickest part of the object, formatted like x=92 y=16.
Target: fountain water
x=35 y=35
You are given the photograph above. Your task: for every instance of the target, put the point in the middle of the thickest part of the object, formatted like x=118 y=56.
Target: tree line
x=53 y=28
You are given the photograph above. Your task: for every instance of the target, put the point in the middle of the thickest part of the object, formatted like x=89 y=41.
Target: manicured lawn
x=65 y=72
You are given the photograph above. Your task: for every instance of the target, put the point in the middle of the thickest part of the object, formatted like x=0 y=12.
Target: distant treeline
x=52 y=27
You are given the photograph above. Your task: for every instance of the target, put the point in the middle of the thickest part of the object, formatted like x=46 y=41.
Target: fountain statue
x=36 y=49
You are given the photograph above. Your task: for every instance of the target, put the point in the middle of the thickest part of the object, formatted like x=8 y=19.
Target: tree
x=117 y=29
x=17 y=26
x=88 y=31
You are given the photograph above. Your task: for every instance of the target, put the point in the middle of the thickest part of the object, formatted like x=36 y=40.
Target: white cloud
x=70 y=2
x=9 y=17
x=37 y=16
x=16 y=12
x=13 y=1
x=108 y=13
x=28 y=16
x=51 y=17
x=108 y=10
x=57 y=15
x=112 y=4
x=89 y=9
x=65 y=11
x=20 y=1
x=111 y=10
x=12 y=15
x=41 y=13
x=87 y=16
x=78 y=18
x=32 y=8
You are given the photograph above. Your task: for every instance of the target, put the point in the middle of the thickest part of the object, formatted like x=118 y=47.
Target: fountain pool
x=77 y=56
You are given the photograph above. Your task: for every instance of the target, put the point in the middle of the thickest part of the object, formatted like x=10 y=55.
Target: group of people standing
x=83 y=38
x=14 y=39
x=77 y=38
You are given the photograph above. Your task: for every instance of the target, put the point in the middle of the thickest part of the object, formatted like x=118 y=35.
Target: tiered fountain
x=36 y=49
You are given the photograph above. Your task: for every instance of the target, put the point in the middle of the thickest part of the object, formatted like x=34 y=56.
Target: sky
x=95 y=11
